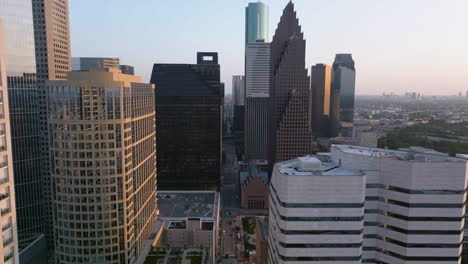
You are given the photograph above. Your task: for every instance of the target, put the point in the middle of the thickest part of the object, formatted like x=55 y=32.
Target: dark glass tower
x=290 y=134
x=320 y=88
x=189 y=101
x=20 y=65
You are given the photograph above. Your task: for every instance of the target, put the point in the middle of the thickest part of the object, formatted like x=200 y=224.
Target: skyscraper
x=91 y=63
x=257 y=72
x=256 y=22
x=343 y=90
x=238 y=90
x=9 y=252
x=189 y=101
x=20 y=69
x=320 y=88
x=290 y=134
x=368 y=205
x=53 y=57
x=238 y=105
x=102 y=150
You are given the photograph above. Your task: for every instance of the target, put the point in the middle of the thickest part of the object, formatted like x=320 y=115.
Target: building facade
x=290 y=134
x=9 y=253
x=254 y=183
x=238 y=90
x=127 y=69
x=368 y=205
x=257 y=67
x=189 y=102
x=92 y=63
x=21 y=80
x=191 y=220
x=53 y=62
x=321 y=88
x=256 y=22
x=102 y=149
x=343 y=87
x=316 y=212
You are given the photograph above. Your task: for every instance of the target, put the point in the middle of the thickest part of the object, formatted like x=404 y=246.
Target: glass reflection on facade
x=256 y=22
x=20 y=65
x=343 y=91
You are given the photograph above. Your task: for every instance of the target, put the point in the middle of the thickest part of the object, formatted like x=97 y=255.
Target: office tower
x=316 y=212
x=20 y=69
x=53 y=62
x=320 y=88
x=289 y=134
x=238 y=90
x=238 y=95
x=368 y=205
x=90 y=63
x=127 y=69
x=256 y=22
x=9 y=252
x=257 y=72
x=343 y=90
x=189 y=101
x=102 y=150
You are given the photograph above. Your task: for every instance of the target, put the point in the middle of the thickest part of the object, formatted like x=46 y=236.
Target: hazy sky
x=398 y=45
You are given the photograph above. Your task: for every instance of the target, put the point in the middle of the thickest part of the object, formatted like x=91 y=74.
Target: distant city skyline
x=398 y=45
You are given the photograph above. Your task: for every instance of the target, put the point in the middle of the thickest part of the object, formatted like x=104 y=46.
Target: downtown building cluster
x=355 y=204
x=79 y=165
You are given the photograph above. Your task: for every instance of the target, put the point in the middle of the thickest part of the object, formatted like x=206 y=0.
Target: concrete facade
x=191 y=219
x=372 y=206
x=102 y=150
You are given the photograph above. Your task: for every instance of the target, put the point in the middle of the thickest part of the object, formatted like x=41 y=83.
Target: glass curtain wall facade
x=189 y=101
x=256 y=22
x=20 y=66
x=52 y=42
x=321 y=88
x=343 y=83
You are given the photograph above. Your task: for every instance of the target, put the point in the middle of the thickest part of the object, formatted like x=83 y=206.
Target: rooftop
x=411 y=155
x=314 y=166
x=186 y=204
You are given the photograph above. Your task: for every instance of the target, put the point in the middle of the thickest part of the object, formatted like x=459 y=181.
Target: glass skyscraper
x=20 y=66
x=256 y=22
x=343 y=84
x=189 y=107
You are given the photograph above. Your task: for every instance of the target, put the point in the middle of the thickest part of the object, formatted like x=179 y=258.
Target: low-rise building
x=191 y=220
x=254 y=186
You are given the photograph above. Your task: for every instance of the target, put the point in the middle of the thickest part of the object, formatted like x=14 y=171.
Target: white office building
x=368 y=205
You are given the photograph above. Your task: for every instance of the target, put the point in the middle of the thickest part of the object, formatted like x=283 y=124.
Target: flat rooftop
x=314 y=166
x=411 y=155
x=185 y=204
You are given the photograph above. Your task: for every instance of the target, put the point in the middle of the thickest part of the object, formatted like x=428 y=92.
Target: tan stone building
x=103 y=166
x=9 y=240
